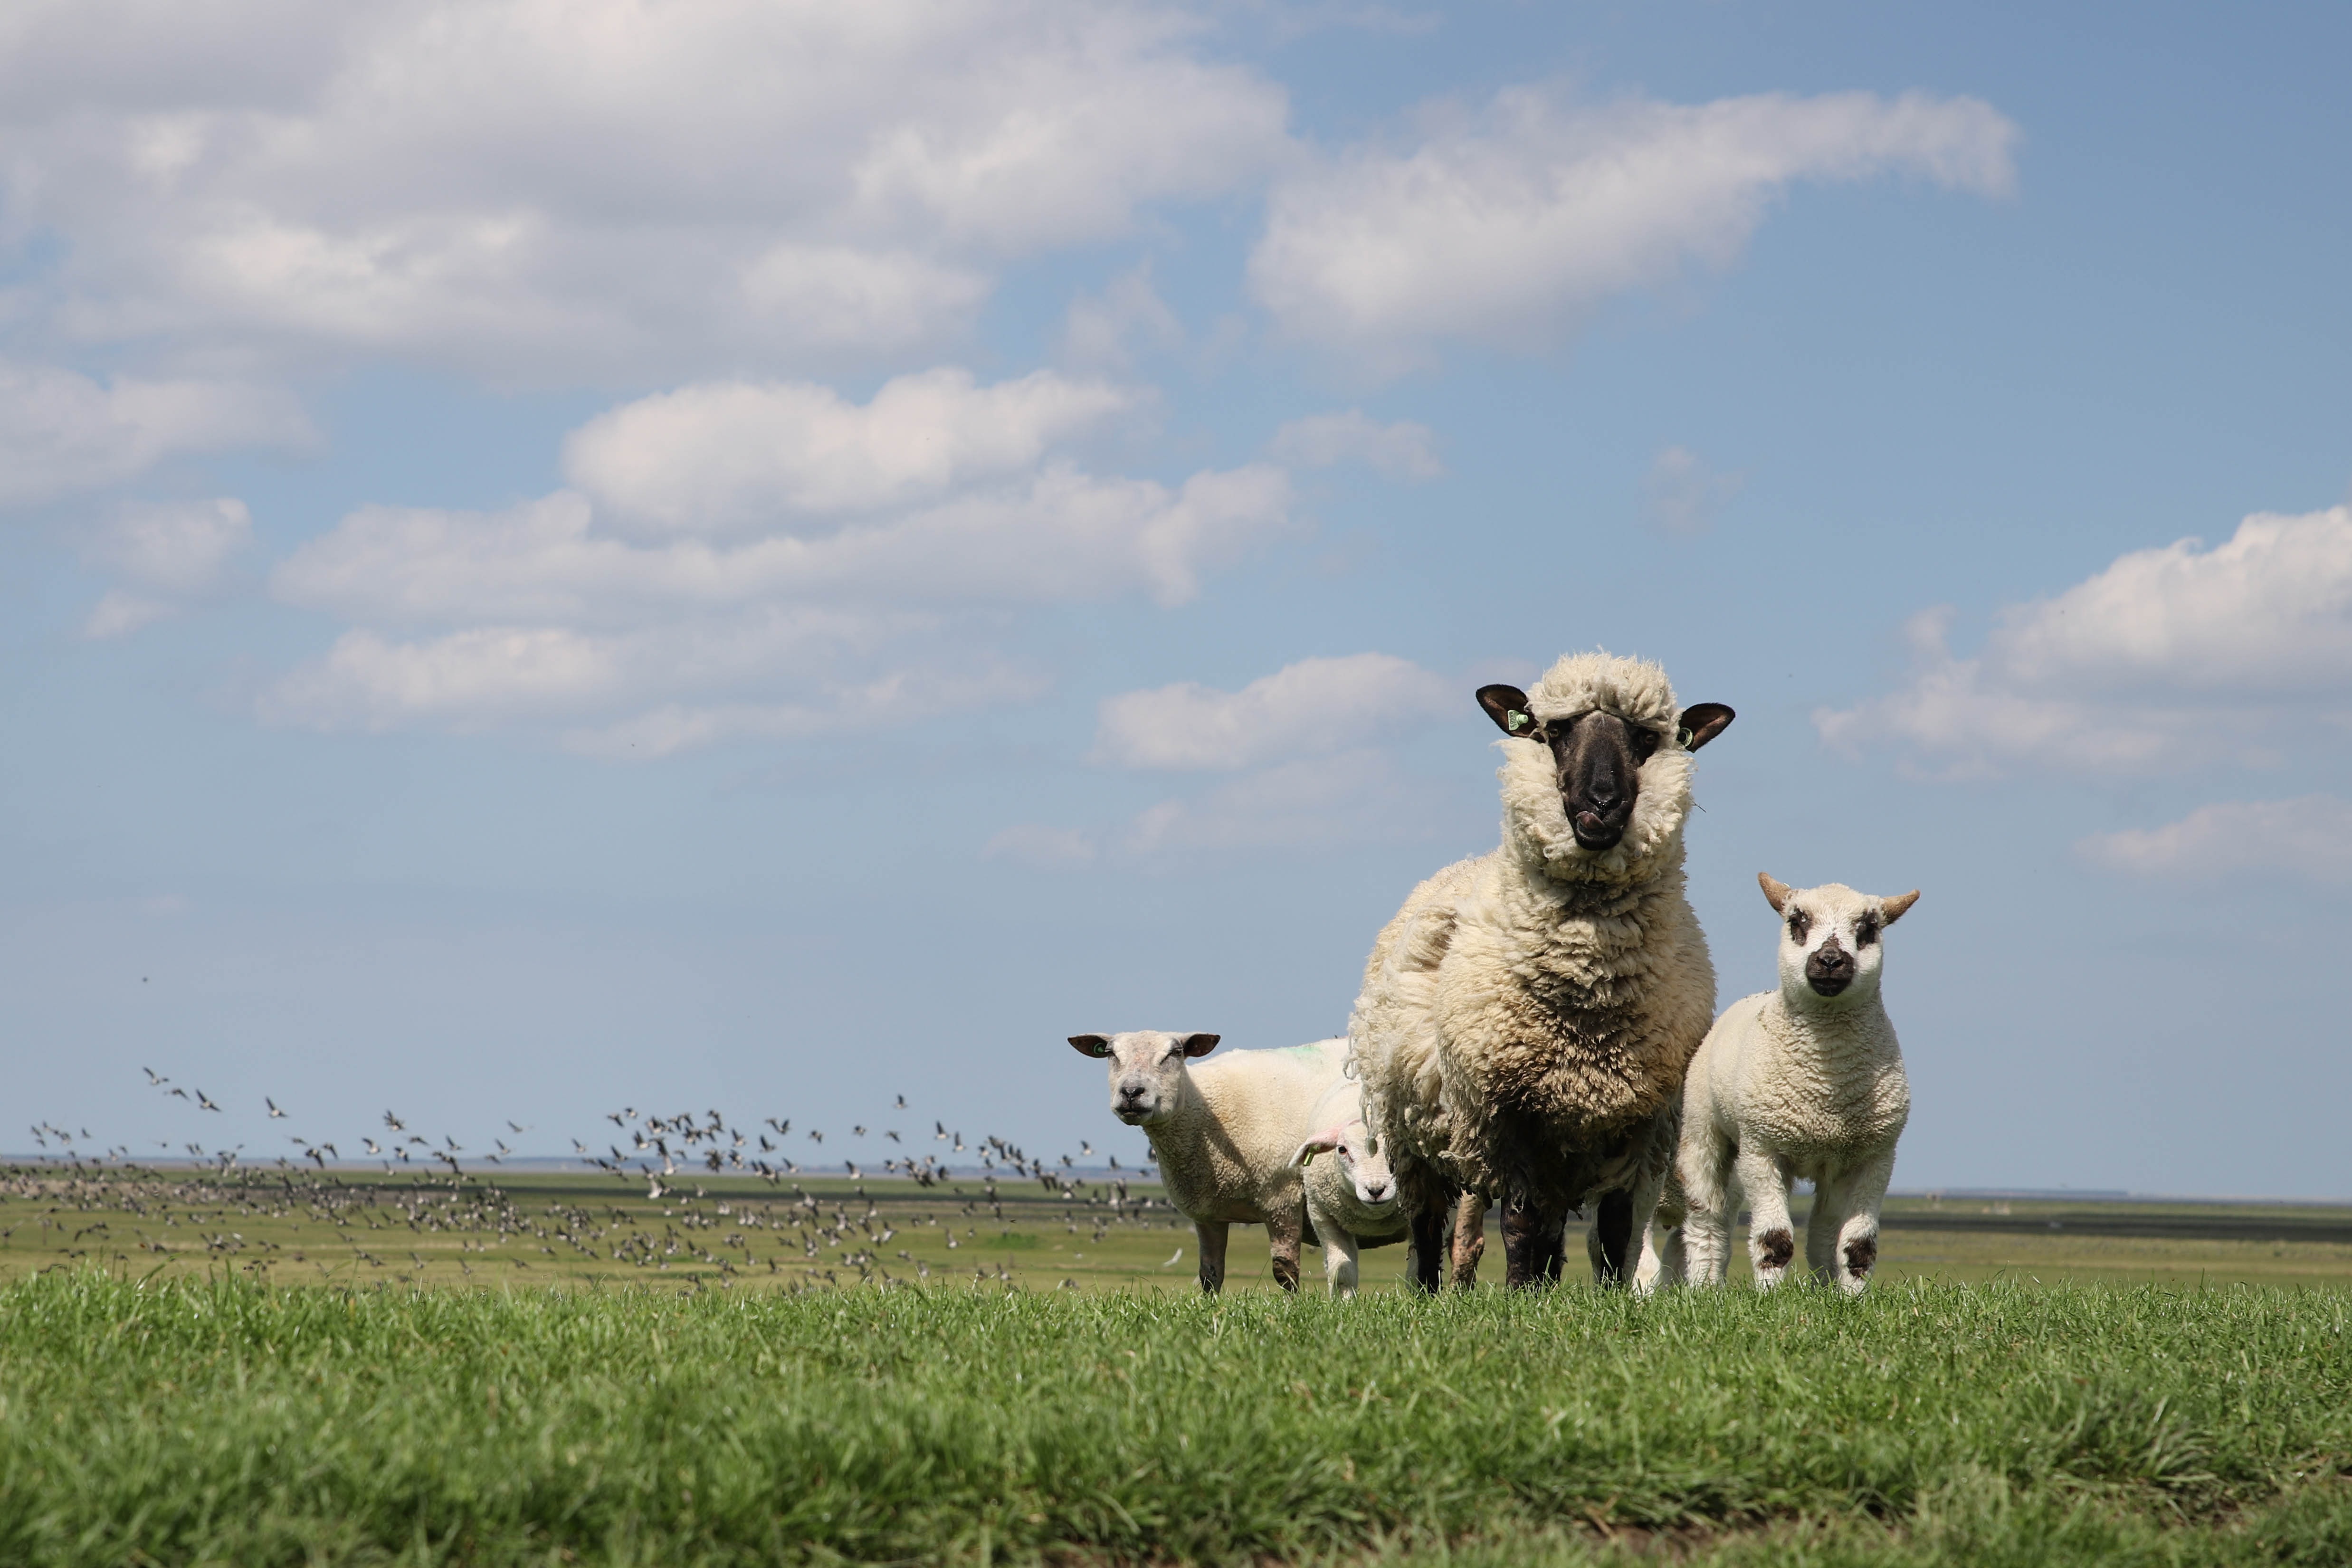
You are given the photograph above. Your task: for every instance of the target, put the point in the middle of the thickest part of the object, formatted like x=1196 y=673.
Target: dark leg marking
x=1776 y=1248
x=1286 y=1273
x=1862 y=1255
x=1428 y=1248
x=1616 y=1223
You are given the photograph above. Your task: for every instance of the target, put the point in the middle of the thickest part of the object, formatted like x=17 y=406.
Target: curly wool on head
x=1535 y=828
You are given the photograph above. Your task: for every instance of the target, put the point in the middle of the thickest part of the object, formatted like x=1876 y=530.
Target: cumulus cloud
x=1101 y=329
x=62 y=433
x=1313 y=705
x=1682 y=494
x=1505 y=226
x=2169 y=658
x=541 y=189
x=169 y=555
x=756 y=561
x=719 y=455
x=2309 y=837
x=1403 y=449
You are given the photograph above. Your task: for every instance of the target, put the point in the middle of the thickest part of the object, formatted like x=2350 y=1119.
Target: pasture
x=251 y=1368
x=182 y=1420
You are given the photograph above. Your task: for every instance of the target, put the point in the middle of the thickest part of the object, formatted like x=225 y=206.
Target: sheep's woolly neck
x=1527 y=1016
x=1535 y=825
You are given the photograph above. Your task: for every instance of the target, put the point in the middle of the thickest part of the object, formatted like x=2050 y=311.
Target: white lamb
x=1804 y=1081
x=1225 y=1133
x=1351 y=1197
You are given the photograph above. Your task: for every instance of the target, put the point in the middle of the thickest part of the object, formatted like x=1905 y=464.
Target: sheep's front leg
x=1710 y=1188
x=1283 y=1236
x=1469 y=1240
x=1428 y=1246
x=1771 y=1234
x=1338 y=1257
x=1212 y=1236
x=1531 y=1242
x=1861 y=1194
x=1639 y=1204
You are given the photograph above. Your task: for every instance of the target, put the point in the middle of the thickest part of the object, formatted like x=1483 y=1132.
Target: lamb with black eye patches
x=1805 y=1082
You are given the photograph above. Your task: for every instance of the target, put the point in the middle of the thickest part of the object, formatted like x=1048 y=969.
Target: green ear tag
x=1515 y=719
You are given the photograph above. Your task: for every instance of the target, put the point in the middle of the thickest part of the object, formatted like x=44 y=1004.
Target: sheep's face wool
x=1535 y=821
x=1147 y=1070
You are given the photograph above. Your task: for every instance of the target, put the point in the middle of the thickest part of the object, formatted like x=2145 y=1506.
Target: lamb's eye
x=1866 y=932
x=1643 y=741
x=1798 y=926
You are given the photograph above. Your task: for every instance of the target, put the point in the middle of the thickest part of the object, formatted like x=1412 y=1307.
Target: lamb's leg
x=1531 y=1240
x=1710 y=1186
x=1636 y=1205
x=1771 y=1234
x=1428 y=1246
x=1338 y=1257
x=1864 y=1191
x=1211 y=1234
x=1663 y=1262
x=1821 y=1226
x=1469 y=1240
x=1281 y=1234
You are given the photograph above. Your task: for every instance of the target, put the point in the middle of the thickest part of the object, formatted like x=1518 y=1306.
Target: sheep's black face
x=1597 y=757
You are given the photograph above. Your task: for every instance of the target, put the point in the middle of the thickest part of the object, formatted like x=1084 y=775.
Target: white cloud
x=718 y=456
x=943 y=512
x=1313 y=705
x=1100 y=328
x=539 y=189
x=1682 y=494
x=2309 y=837
x=1403 y=450
x=61 y=433
x=2169 y=658
x=171 y=553
x=1505 y=226
x=1351 y=797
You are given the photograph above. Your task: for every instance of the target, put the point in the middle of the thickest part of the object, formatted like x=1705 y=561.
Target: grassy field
x=186 y=1421
x=342 y=1228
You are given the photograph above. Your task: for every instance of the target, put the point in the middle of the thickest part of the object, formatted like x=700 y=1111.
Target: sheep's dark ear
x=1200 y=1044
x=1091 y=1044
x=1507 y=706
x=1702 y=722
x=1777 y=893
x=1891 y=910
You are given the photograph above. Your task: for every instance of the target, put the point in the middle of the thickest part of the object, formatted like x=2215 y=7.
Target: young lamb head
x=1147 y=1069
x=1606 y=734
x=1830 y=950
x=1361 y=1164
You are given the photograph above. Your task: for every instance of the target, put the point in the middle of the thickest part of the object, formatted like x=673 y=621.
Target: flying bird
x=204 y=1103
x=274 y=1111
x=902 y=1103
x=394 y=1122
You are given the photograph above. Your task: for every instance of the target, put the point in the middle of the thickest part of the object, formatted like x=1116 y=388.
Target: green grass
x=190 y=1421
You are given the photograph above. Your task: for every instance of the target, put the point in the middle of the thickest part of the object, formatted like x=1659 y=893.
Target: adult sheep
x=1527 y=1017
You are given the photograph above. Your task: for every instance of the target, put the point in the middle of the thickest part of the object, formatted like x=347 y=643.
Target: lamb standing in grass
x=1351 y=1196
x=1804 y=1081
x=1224 y=1133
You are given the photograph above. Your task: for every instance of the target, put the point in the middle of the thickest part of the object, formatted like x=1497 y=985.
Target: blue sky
x=569 y=555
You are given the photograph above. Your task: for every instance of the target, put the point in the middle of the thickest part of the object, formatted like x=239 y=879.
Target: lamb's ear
x=1891 y=910
x=1776 y=892
x=1321 y=1144
x=1702 y=722
x=1200 y=1044
x=1507 y=706
x=1091 y=1044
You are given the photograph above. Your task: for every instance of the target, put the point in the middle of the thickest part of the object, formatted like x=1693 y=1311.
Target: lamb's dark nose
x=1375 y=1190
x=1830 y=969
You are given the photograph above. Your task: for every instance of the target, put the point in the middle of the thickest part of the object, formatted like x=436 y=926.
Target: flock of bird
x=786 y=1233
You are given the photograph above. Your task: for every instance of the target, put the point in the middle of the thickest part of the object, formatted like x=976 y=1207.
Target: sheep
x=1224 y=1133
x=1351 y=1197
x=1806 y=1081
x=1526 y=1016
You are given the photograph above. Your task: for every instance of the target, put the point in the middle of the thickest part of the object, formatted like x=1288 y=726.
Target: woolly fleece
x=1527 y=1017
